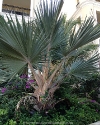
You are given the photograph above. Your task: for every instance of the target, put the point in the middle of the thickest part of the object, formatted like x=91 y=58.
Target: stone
x=96 y=123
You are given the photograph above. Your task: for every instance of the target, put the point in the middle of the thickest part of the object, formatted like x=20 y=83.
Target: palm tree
x=50 y=45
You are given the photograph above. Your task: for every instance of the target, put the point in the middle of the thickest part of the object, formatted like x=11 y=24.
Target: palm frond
x=84 y=68
x=18 y=43
x=48 y=15
x=86 y=33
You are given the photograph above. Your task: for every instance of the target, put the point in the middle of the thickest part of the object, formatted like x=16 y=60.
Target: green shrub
x=78 y=112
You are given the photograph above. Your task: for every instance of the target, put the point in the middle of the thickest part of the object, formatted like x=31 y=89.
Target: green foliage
x=7 y=106
x=11 y=122
x=3 y=111
x=78 y=113
x=89 y=88
x=17 y=86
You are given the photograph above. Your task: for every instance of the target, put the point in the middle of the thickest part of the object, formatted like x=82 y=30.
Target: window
x=98 y=16
x=19 y=7
x=98 y=0
x=77 y=1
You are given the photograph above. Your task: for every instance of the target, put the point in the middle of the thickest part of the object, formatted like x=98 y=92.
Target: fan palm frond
x=84 y=68
x=18 y=43
x=86 y=33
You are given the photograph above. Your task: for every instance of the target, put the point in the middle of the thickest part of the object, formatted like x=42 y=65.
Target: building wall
x=86 y=8
x=28 y=4
x=19 y=3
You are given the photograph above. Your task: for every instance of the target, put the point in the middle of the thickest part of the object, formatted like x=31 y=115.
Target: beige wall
x=87 y=8
x=81 y=1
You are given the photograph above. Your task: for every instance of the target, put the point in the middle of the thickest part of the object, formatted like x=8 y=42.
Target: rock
x=96 y=123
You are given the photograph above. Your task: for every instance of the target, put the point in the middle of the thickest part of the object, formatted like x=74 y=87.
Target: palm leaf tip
x=84 y=68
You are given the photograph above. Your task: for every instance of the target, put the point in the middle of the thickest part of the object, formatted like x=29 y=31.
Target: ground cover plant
x=51 y=48
x=73 y=111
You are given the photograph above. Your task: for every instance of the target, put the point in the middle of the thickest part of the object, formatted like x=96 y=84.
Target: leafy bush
x=89 y=88
x=77 y=113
